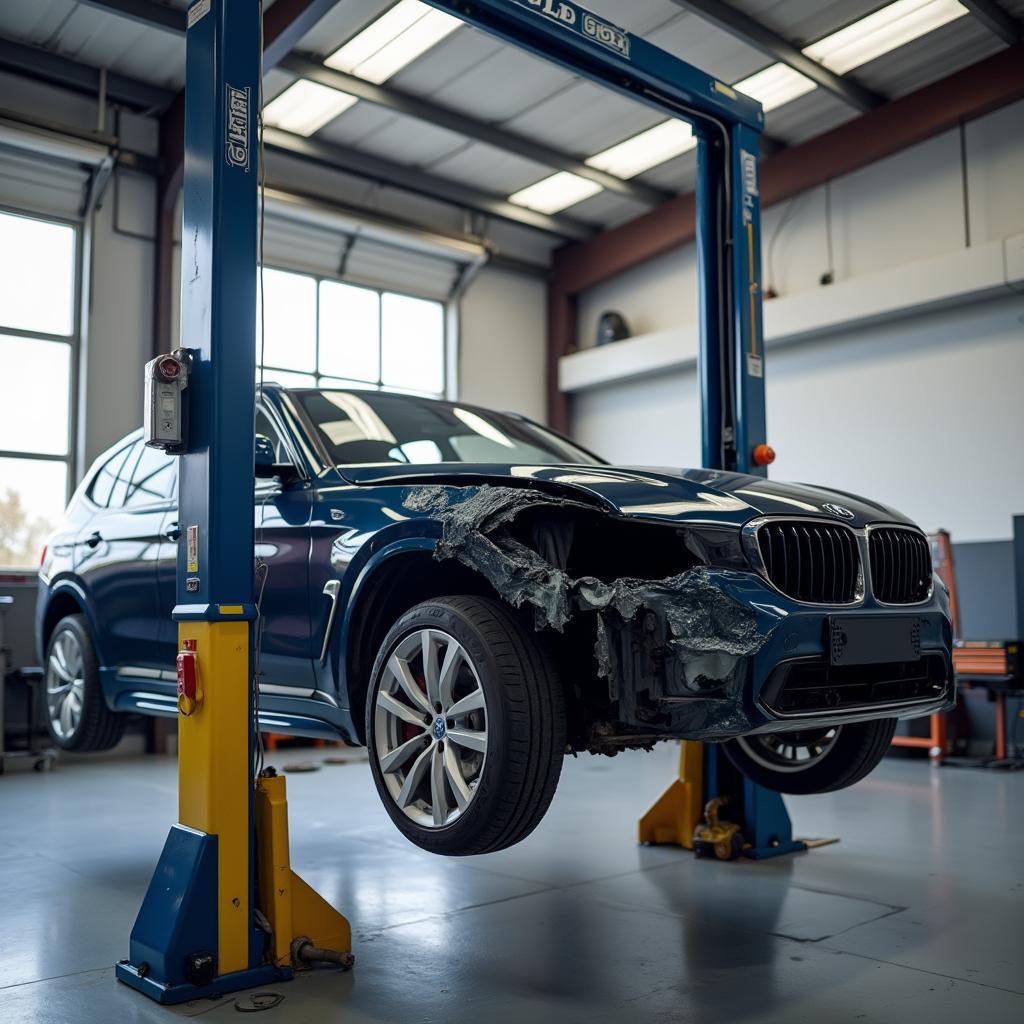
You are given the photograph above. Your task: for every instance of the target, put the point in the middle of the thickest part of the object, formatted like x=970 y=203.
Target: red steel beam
x=963 y=96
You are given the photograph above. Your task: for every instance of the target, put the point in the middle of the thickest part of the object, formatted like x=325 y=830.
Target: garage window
x=320 y=332
x=38 y=338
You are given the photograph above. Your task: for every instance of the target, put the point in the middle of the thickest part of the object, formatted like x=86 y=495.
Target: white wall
x=121 y=319
x=503 y=351
x=924 y=413
x=910 y=414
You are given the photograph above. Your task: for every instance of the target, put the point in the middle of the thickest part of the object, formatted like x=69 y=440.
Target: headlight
x=720 y=547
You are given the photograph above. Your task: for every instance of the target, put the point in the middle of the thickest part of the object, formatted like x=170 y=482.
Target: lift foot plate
x=171 y=995
x=704 y=772
x=293 y=908
x=677 y=812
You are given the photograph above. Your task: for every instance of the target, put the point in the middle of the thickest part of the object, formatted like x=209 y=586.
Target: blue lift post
x=210 y=922
x=223 y=911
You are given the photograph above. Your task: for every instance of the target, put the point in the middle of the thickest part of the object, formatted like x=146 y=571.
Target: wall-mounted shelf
x=950 y=279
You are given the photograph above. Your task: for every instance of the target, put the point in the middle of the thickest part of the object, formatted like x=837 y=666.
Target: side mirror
x=266 y=465
x=265 y=455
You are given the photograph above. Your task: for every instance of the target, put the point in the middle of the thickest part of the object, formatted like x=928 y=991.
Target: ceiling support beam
x=753 y=33
x=964 y=96
x=33 y=62
x=995 y=19
x=445 y=117
x=285 y=23
x=143 y=12
x=411 y=179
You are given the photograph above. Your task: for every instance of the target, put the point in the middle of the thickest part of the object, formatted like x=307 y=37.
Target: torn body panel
x=673 y=652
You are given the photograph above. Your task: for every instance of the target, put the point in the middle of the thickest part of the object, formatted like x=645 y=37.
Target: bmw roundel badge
x=838 y=510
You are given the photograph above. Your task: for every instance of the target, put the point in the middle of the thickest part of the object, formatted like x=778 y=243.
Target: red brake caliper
x=408 y=731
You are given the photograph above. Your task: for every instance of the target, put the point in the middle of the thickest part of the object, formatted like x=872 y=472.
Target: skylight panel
x=648 y=149
x=554 y=193
x=394 y=40
x=305 y=107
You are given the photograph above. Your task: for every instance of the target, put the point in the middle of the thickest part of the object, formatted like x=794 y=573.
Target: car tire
x=465 y=742
x=77 y=715
x=833 y=758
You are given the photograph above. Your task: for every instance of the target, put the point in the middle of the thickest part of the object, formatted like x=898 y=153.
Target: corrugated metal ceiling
x=102 y=40
x=478 y=76
x=475 y=75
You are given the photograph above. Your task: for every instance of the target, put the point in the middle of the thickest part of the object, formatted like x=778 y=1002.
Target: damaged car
x=473 y=597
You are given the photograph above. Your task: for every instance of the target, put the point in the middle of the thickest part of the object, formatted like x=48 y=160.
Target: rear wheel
x=76 y=713
x=812 y=760
x=465 y=726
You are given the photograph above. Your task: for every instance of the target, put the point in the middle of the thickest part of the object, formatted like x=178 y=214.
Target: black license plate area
x=873 y=639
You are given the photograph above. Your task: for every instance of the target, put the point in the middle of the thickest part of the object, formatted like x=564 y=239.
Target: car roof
x=388 y=396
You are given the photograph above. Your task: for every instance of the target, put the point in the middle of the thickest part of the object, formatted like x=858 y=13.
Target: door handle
x=173 y=532
x=94 y=539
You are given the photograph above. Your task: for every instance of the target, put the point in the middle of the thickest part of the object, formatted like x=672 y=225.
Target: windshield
x=373 y=427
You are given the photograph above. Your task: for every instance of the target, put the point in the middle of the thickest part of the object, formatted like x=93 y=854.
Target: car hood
x=647 y=493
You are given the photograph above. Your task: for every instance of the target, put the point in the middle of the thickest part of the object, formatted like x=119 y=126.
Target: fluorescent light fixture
x=776 y=85
x=883 y=31
x=648 y=149
x=395 y=39
x=549 y=195
x=625 y=160
x=305 y=107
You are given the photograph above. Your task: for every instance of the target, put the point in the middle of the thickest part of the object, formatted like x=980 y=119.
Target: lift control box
x=165 y=412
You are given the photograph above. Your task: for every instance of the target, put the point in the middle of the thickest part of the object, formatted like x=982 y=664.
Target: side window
x=119 y=491
x=108 y=474
x=153 y=479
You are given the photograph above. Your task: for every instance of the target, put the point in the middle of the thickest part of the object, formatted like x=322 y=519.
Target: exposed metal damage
x=673 y=651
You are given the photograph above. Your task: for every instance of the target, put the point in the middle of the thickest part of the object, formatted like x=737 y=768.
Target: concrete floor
x=917 y=915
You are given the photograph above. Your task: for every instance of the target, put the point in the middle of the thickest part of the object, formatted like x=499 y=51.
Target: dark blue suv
x=473 y=596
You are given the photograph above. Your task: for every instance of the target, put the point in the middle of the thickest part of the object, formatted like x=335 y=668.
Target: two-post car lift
x=224 y=911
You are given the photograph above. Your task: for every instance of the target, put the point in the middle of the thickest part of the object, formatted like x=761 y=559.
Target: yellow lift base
x=198 y=931
x=676 y=814
x=686 y=814
x=304 y=926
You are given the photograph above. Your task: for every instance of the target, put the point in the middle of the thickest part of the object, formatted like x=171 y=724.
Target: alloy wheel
x=65 y=685
x=789 y=751
x=430 y=728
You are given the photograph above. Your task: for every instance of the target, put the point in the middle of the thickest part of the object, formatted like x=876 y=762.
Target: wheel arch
x=393 y=581
x=66 y=597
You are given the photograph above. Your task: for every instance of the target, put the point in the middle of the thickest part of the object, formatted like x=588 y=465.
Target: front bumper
x=762 y=690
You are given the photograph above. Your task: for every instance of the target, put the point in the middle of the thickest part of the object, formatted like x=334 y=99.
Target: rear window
x=108 y=475
x=153 y=479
